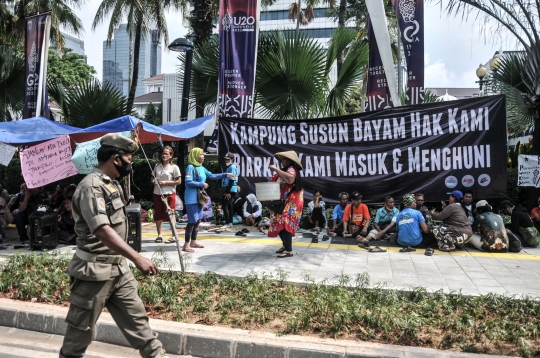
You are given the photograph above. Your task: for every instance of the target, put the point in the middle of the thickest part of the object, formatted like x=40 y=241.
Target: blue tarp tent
x=147 y=133
x=188 y=129
x=33 y=130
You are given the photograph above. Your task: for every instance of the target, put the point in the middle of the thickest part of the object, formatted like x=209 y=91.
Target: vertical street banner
x=238 y=34
x=430 y=148
x=410 y=16
x=377 y=92
x=36 y=47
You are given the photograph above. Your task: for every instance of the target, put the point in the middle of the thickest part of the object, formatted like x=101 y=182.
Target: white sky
x=453 y=48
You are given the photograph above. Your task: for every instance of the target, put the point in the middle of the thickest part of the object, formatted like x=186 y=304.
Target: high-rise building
x=116 y=60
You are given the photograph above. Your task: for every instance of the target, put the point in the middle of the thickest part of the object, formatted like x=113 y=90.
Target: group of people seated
x=461 y=222
x=22 y=205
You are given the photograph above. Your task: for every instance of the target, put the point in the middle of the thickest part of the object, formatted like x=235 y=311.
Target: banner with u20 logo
x=430 y=148
x=238 y=33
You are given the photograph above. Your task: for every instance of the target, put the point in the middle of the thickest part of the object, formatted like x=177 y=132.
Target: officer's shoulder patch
x=100 y=204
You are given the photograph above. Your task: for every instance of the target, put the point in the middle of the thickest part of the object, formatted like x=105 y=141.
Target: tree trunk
x=341 y=22
x=135 y=73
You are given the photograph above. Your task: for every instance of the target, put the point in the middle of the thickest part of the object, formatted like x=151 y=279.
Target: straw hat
x=291 y=155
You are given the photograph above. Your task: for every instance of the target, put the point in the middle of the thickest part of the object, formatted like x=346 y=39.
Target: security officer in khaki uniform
x=100 y=276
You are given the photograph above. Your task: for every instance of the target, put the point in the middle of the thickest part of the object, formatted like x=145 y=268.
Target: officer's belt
x=105 y=259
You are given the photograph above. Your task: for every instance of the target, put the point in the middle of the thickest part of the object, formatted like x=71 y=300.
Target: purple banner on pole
x=410 y=16
x=238 y=33
x=377 y=92
x=36 y=50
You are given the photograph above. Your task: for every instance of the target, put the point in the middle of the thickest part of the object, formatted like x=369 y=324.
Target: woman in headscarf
x=285 y=223
x=196 y=176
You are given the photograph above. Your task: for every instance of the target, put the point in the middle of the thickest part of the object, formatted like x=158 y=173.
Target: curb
x=214 y=342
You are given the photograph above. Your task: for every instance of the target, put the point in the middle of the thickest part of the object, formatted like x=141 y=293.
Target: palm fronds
x=11 y=83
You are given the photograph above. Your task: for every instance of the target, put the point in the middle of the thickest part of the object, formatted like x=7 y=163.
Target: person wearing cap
x=491 y=234
x=521 y=224
x=455 y=229
x=165 y=177
x=535 y=215
x=356 y=219
x=196 y=176
x=285 y=223
x=229 y=188
x=410 y=224
x=100 y=275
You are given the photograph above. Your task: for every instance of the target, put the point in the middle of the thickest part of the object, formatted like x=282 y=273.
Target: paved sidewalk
x=471 y=271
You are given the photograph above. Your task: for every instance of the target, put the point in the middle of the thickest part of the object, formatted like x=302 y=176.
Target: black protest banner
x=430 y=148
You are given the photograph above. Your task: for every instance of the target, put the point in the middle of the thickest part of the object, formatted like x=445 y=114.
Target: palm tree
x=142 y=17
x=520 y=18
x=62 y=17
x=11 y=83
x=89 y=103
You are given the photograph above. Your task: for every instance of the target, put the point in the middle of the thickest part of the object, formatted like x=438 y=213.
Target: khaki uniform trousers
x=119 y=294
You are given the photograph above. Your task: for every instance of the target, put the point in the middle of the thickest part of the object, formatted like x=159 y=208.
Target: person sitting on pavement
x=67 y=193
x=356 y=218
x=455 y=229
x=491 y=234
x=385 y=220
x=264 y=225
x=252 y=210
x=521 y=224
x=337 y=217
x=238 y=204
x=31 y=200
x=420 y=205
x=316 y=212
x=66 y=225
x=410 y=224
x=535 y=215
x=468 y=205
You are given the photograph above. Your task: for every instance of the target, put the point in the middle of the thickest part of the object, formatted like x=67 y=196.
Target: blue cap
x=457 y=194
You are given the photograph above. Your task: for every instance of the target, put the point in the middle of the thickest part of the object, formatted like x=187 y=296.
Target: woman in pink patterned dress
x=284 y=224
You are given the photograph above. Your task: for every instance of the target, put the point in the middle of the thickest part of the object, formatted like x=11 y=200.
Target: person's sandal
x=325 y=238
x=407 y=249
x=364 y=245
x=170 y=241
x=280 y=251
x=376 y=249
x=429 y=252
x=159 y=239
x=285 y=254
x=314 y=240
x=447 y=248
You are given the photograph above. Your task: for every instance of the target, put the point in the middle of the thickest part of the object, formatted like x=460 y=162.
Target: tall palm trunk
x=341 y=22
x=135 y=72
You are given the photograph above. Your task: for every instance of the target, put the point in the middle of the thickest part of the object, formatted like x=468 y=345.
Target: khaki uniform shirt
x=98 y=201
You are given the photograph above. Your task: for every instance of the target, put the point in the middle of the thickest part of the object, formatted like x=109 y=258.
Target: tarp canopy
x=188 y=129
x=148 y=133
x=33 y=130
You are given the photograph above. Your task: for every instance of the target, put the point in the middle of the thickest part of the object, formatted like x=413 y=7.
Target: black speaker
x=134 y=226
x=43 y=230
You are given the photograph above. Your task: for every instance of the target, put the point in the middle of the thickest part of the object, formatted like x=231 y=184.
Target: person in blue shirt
x=409 y=225
x=196 y=176
x=336 y=228
x=229 y=188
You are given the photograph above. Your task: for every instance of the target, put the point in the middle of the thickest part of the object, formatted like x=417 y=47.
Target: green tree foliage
x=70 y=69
x=353 y=105
x=150 y=114
x=11 y=83
x=89 y=103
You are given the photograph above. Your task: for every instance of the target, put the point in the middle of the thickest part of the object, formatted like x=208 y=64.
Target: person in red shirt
x=356 y=218
x=535 y=216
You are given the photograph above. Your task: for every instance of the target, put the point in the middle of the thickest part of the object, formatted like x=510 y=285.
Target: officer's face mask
x=124 y=169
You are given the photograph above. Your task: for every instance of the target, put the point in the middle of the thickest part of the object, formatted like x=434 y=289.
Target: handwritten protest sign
x=6 y=153
x=47 y=162
x=85 y=155
x=528 y=170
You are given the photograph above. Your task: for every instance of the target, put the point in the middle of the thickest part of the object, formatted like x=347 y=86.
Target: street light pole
x=183 y=45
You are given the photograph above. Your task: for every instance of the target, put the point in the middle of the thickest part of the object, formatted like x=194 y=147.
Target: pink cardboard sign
x=47 y=162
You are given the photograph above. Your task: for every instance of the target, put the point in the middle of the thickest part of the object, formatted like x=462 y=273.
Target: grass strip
x=344 y=307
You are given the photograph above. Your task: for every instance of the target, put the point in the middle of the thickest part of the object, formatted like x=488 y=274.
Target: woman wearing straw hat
x=284 y=224
x=196 y=176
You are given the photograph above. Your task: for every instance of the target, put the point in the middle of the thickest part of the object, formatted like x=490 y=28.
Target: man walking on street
x=100 y=276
